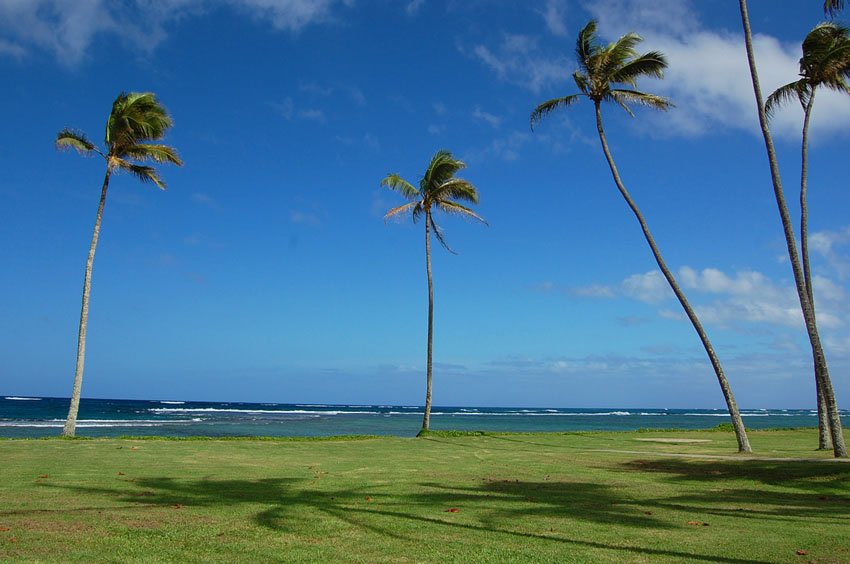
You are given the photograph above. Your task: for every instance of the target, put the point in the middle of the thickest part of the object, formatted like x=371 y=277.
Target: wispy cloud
x=287 y=110
x=829 y=245
x=67 y=29
x=554 y=15
x=204 y=199
x=490 y=119
x=518 y=59
x=413 y=7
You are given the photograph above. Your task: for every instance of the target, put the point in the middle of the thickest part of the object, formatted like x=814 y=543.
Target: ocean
x=32 y=417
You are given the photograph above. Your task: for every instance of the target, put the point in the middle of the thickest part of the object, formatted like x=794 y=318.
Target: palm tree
x=821 y=367
x=439 y=189
x=137 y=118
x=825 y=62
x=600 y=69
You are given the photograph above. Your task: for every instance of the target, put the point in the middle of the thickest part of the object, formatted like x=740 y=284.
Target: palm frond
x=418 y=210
x=438 y=233
x=399 y=210
x=793 y=90
x=141 y=172
x=624 y=96
x=832 y=7
x=77 y=140
x=615 y=55
x=395 y=182
x=443 y=166
x=156 y=153
x=455 y=189
x=135 y=117
x=582 y=81
x=549 y=106
x=586 y=44
x=650 y=64
x=456 y=208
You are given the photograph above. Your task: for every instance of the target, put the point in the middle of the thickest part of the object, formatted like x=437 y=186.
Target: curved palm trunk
x=426 y=420
x=737 y=423
x=824 y=439
x=71 y=423
x=821 y=368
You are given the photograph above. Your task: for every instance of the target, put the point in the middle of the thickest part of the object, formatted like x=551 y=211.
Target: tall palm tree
x=439 y=189
x=601 y=68
x=136 y=119
x=821 y=367
x=825 y=63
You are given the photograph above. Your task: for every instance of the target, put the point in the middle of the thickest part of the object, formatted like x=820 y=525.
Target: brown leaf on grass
x=5 y=529
x=452 y=510
x=647 y=512
x=44 y=476
x=13 y=539
x=178 y=506
x=369 y=498
x=134 y=448
x=802 y=552
x=698 y=523
x=121 y=474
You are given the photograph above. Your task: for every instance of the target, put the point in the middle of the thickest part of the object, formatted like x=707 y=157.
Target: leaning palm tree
x=601 y=68
x=137 y=118
x=821 y=368
x=825 y=63
x=439 y=189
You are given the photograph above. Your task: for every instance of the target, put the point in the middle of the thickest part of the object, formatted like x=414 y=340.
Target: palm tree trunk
x=824 y=440
x=821 y=368
x=71 y=423
x=426 y=421
x=737 y=423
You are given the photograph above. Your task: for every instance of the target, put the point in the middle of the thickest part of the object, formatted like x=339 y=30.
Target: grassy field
x=592 y=497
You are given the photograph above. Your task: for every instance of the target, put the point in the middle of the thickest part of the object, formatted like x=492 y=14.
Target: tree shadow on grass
x=503 y=507
x=785 y=491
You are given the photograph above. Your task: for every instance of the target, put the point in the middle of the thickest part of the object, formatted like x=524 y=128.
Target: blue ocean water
x=22 y=417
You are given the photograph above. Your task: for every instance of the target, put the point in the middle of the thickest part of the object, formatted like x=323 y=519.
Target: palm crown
x=438 y=188
x=602 y=67
x=136 y=119
x=825 y=62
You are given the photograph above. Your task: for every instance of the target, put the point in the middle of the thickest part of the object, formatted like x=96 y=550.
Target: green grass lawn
x=496 y=498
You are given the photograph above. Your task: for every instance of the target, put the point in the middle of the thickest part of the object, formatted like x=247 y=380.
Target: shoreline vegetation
x=596 y=496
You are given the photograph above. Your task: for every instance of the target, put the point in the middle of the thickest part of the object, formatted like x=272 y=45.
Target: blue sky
x=265 y=271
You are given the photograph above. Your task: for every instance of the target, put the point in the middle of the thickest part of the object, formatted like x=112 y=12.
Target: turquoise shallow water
x=42 y=417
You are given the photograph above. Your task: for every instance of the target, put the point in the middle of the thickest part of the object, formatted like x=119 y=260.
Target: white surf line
x=720 y=456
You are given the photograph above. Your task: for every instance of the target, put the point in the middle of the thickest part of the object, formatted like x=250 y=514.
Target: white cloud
x=66 y=29
x=554 y=15
x=827 y=244
x=436 y=128
x=518 y=60
x=649 y=287
x=413 y=7
x=204 y=200
x=286 y=108
x=594 y=291
x=708 y=78
x=747 y=297
x=490 y=119
x=11 y=49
